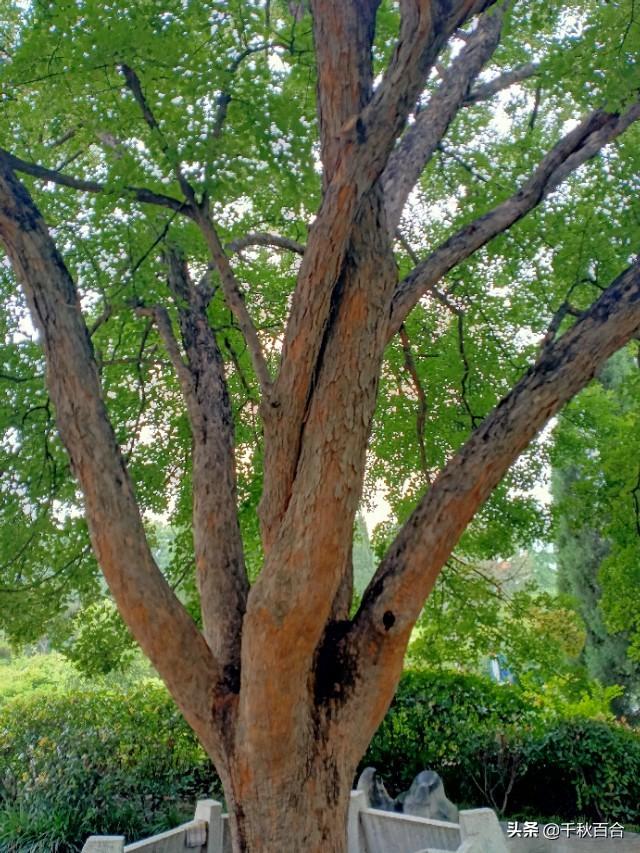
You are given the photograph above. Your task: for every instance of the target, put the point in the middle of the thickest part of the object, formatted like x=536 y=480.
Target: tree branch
x=224 y=98
x=234 y=298
x=394 y=598
x=160 y=315
x=421 y=414
x=425 y=28
x=138 y=361
x=42 y=581
x=475 y=174
x=466 y=371
x=263 y=239
x=133 y=83
x=354 y=160
x=140 y=194
x=365 y=140
x=343 y=35
x=635 y=494
x=154 y=615
x=65 y=137
x=485 y=91
x=221 y=574
x=565 y=308
x=420 y=141
x=574 y=149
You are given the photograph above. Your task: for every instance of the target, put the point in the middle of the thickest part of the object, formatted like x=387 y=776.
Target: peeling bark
x=365 y=144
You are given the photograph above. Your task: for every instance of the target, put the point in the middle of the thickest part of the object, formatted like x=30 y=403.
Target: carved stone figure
x=425 y=797
x=376 y=793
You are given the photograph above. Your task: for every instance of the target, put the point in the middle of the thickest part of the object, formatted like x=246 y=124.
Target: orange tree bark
x=281 y=686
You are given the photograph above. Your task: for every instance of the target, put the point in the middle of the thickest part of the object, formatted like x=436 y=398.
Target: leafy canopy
x=232 y=86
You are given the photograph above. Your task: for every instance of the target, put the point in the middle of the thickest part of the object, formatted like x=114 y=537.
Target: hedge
x=124 y=762
x=493 y=748
x=582 y=767
x=97 y=762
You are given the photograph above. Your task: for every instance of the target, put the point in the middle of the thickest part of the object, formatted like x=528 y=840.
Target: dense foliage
x=496 y=611
x=597 y=511
x=65 y=105
x=493 y=746
x=121 y=760
x=23 y=675
x=103 y=761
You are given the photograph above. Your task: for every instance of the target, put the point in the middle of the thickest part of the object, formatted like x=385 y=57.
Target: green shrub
x=97 y=762
x=51 y=671
x=440 y=721
x=123 y=761
x=583 y=767
x=493 y=746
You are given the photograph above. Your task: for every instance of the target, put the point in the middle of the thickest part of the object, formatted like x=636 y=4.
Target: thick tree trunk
x=300 y=806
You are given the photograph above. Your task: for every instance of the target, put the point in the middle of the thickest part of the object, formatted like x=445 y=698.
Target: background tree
x=594 y=490
x=191 y=367
x=476 y=614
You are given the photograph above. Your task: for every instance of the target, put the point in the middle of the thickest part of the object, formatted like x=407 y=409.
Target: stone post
x=481 y=826
x=210 y=811
x=355 y=834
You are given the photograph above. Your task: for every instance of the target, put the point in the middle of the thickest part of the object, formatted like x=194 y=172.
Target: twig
x=224 y=98
x=440 y=295
x=7 y=590
x=635 y=492
x=10 y=377
x=143 y=391
x=463 y=163
x=160 y=316
x=536 y=108
x=133 y=82
x=475 y=419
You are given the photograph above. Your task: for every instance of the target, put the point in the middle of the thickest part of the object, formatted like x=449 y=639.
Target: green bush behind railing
x=96 y=762
x=121 y=760
x=493 y=746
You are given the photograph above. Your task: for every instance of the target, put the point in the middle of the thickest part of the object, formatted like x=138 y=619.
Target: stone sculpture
x=376 y=793
x=425 y=797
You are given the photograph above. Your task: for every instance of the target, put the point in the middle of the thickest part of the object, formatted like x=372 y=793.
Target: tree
x=597 y=534
x=479 y=613
x=165 y=117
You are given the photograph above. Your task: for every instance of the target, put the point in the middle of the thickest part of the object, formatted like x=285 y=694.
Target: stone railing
x=208 y=832
x=368 y=831
x=376 y=831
